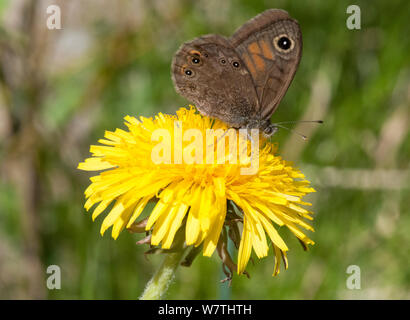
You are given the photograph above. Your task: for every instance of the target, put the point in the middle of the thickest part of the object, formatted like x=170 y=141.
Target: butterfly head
x=270 y=130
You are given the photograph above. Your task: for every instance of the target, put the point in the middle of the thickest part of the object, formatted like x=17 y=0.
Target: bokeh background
x=60 y=89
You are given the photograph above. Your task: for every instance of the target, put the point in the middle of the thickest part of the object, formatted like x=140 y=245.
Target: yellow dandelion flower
x=197 y=193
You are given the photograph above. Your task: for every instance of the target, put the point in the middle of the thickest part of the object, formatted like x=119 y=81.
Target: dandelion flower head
x=206 y=202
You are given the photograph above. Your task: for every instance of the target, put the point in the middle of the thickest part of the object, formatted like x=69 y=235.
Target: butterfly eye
x=236 y=64
x=283 y=43
x=270 y=130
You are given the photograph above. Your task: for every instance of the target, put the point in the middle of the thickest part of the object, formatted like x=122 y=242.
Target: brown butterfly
x=242 y=79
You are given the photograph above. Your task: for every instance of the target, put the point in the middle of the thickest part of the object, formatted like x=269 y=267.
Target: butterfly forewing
x=271 y=46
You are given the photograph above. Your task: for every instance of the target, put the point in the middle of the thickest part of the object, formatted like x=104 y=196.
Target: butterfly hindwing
x=209 y=72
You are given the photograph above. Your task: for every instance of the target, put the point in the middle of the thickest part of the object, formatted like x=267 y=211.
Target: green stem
x=159 y=283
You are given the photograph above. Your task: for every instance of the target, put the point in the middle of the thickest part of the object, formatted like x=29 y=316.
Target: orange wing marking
x=266 y=50
x=255 y=52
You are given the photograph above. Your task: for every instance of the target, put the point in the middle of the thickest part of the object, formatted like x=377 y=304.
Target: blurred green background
x=60 y=89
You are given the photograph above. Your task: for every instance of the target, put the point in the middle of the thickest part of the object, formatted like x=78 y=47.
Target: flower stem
x=159 y=283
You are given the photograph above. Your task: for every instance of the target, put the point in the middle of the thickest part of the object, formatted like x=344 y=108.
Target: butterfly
x=242 y=79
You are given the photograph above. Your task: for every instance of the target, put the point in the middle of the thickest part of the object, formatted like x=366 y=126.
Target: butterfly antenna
x=291 y=130
x=298 y=121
